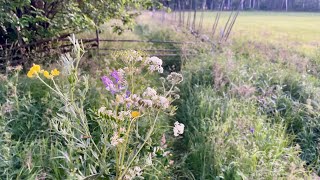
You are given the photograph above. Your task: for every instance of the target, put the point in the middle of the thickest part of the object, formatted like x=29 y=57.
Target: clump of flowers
x=126 y=123
x=115 y=82
x=155 y=64
x=133 y=101
x=175 y=78
x=35 y=70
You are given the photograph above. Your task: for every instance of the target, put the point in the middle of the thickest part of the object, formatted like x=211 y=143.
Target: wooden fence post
x=97 y=38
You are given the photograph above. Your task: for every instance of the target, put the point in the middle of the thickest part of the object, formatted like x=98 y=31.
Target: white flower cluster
x=131 y=55
x=132 y=173
x=116 y=139
x=149 y=92
x=175 y=78
x=122 y=115
x=178 y=129
x=155 y=64
x=152 y=99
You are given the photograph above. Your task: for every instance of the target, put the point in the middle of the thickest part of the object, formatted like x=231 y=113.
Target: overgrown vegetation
x=248 y=110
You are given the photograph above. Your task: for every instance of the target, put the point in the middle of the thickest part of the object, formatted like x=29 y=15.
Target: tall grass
x=227 y=137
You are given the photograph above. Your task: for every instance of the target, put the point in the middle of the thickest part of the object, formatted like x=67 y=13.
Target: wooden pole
x=217 y=19
x=225 y=27
x=97 y=38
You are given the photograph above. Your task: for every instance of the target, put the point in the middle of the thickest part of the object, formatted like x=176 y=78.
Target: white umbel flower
x=149 y=92
x=178 y=129
x=155 y=64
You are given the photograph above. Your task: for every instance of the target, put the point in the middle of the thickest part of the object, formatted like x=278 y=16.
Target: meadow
x=298 y=30
x=247 y=109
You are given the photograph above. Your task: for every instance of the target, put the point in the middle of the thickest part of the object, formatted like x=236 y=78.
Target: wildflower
x=116 y=76
x=155 y=64
x=30 y=74
x=55 y=72
x=147 y=103
x=166 y=153
x=123 y=114
x=178 y=129
x=163 y=141
x=122 y=130
x=115 y=139
x=163 y=102
x=175 y=78
x=135 y=114
x=119 y=99
x=138 y=170
x=128 y=94
x=149 y=92
x=108 y=84
x=117 y=84
x=47 y=75
x=103 y=110
x=252 y=130
x=34 y=70
x=135 y=100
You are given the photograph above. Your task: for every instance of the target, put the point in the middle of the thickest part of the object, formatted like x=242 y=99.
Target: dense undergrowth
x=250 y=110
x=250 y=115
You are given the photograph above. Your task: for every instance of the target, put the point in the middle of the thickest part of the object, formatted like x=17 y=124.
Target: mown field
x=250 y=108
x=293 y=29
x=300 y=27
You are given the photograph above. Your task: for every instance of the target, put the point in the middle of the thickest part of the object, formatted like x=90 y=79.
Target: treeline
x=271 y=5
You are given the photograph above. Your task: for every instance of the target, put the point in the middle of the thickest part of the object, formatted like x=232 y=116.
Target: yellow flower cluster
x=36 y=69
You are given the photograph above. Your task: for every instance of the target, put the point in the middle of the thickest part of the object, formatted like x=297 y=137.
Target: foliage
x=27 y=21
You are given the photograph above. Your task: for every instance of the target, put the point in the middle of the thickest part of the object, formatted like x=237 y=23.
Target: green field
x=297 y=30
